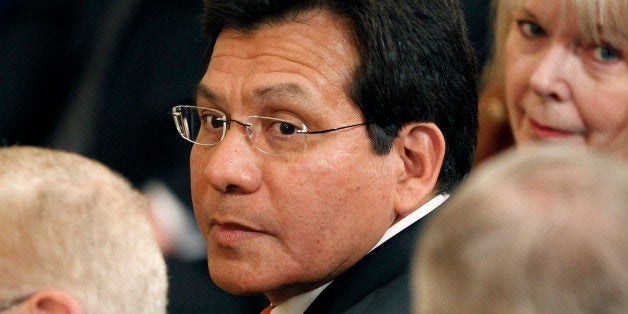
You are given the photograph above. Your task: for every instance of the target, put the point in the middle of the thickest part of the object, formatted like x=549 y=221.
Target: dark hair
x=416 y=64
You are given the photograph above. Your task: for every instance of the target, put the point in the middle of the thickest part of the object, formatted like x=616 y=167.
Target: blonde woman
x=562 y=68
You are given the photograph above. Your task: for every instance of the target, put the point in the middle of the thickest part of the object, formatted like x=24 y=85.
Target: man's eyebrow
x=203 y=91
x=289 y=91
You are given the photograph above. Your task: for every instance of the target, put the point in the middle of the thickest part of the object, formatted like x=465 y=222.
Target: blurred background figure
x=74 y=238
x=494 y=133
x=38 y=66
x=558 y=73
x=538 y=230
x=99 y=78
x=477 y=19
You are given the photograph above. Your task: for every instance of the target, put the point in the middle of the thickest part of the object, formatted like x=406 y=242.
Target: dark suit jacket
x=378 y=283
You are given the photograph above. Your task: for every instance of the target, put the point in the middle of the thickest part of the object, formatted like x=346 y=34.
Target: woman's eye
x=530 y=29
x=603 y=53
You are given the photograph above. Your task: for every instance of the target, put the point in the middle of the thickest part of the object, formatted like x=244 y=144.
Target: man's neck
x=299 y=303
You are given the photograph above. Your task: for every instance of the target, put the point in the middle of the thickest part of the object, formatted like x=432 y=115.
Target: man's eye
x=217 y=122
x=530 y=29
x=603 y=53
x=286 y=128
x=213 y=121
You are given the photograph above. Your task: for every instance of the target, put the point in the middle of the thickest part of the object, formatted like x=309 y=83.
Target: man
x=74 y=238
x=324 y=131
x=532 y=231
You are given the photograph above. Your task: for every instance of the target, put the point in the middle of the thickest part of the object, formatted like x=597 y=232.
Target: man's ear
x=52 y=301
x=421 y=147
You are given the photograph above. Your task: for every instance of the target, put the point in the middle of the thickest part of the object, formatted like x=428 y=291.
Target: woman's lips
x=548 y=132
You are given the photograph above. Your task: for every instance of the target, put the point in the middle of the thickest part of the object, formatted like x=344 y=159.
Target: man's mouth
x=230 y=233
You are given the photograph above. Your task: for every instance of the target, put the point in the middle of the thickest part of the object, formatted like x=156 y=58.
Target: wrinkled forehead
x=599 y=20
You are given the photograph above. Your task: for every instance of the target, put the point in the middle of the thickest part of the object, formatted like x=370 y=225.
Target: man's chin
x=239 y=287
x=237 y=280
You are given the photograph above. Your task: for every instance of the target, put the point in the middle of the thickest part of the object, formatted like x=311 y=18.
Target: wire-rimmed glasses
x=270 y=135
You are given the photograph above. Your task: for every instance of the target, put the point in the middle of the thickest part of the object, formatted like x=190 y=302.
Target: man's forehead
x=265 y=93
x=291 y=62
x=282 y=90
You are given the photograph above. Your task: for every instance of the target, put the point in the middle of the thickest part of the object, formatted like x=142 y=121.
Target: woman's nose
x=550 y=78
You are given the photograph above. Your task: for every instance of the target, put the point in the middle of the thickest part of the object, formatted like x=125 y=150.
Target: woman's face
x=562 y=86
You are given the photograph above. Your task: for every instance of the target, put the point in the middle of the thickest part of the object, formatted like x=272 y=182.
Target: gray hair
x=70 y=223
x=535 y=230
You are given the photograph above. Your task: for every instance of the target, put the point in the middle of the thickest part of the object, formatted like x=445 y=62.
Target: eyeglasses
x=273 y=136
x=11 y=303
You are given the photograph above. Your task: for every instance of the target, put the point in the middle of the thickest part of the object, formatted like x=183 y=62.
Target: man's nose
x=233 y=164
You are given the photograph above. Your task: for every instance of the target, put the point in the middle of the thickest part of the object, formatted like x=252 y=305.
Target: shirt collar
x=413 y=217
x=299 y=303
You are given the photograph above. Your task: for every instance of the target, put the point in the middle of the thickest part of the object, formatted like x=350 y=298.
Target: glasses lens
x=200 y=125
x=277 y=136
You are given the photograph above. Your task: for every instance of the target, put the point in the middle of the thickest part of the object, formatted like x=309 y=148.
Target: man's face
x=283 y=225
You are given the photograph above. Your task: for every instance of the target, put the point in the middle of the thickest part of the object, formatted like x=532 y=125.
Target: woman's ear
x=422 y=150
x=52 y=301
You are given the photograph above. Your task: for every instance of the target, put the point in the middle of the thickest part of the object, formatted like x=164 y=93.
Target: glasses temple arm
x=335 y=129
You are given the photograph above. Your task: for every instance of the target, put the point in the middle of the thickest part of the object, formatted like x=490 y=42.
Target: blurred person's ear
x=51 y=301
x=421 y=147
